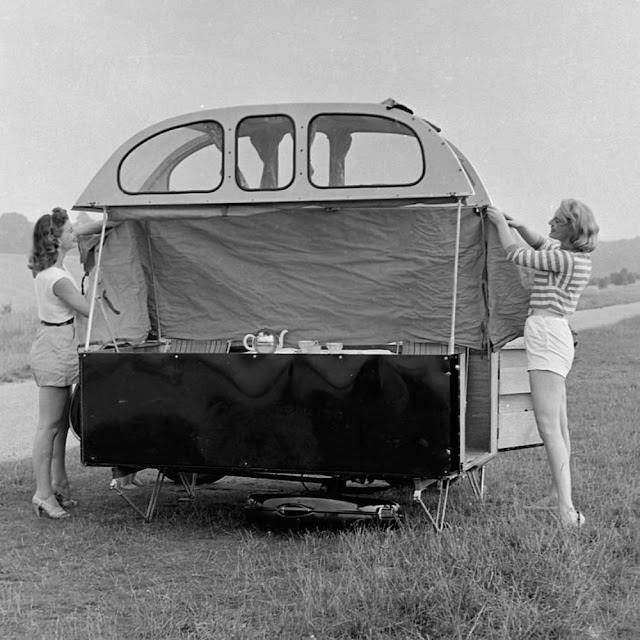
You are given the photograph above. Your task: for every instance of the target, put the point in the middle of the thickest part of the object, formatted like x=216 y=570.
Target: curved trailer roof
x=291 y=162
x=206 y=152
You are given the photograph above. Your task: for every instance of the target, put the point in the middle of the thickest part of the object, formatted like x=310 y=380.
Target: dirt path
x=18 y=420
x=592 y=318
x=19 y=400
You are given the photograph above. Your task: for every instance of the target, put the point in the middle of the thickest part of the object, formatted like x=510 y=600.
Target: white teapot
x=264 y=341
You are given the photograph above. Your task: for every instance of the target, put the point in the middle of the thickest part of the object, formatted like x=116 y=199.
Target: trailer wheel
x=74 y=412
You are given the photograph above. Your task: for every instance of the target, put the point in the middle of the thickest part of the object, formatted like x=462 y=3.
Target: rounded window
x=183 y=159
x=265 y=153
x=363 y=151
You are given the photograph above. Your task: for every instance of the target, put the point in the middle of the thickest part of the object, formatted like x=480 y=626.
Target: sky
x=542 y=97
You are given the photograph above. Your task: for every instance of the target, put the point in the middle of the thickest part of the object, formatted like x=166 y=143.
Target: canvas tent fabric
x=358 y=275
x=122 y=310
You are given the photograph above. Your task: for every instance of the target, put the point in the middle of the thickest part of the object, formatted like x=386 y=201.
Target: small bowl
x=308 y=346
x=334 y=347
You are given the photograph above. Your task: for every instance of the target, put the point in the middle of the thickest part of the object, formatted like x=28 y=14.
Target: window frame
x=371 y=185
x=181 y=158
x=286 y=116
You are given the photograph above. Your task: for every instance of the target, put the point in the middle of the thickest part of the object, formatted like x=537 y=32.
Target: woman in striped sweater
x=562 y=268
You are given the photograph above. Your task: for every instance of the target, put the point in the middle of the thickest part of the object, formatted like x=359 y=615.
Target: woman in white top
x=562 y=267
x=54 y=358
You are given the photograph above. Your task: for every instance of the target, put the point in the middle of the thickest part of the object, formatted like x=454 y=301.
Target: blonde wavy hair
x=584 y=228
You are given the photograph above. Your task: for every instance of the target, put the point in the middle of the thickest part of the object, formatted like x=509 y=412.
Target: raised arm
x=91 y=227
x=504 y=223
x=531 y=237
x=502 y=226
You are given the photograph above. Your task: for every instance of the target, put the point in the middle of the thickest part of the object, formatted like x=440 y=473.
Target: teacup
x=308 y=346
x=334 y=347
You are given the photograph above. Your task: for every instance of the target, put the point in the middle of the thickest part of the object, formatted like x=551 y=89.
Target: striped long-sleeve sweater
x=560 y=275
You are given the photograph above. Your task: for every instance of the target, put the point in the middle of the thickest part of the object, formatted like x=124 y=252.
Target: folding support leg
x=188 y=481
x=147 y=515
x=476 y=480
x=443 y=496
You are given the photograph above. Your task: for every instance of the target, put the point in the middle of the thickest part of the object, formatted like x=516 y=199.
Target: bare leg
x=549 y=404
x=564 y=427
x=564 y=421
x=59 y=479
x=51 y=406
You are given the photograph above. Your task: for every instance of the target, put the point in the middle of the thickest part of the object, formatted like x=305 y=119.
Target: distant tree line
x=624 y=276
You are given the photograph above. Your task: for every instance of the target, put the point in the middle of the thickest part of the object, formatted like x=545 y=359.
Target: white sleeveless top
x=50 y=307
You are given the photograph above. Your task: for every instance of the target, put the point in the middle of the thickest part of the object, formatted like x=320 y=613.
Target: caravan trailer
x=301 y=292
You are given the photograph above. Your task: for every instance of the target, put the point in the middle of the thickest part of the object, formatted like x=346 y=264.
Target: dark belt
x=57 y=324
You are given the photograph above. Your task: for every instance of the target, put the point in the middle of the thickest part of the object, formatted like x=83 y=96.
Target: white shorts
x=549 y=344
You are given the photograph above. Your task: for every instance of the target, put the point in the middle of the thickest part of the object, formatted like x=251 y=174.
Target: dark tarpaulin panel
x=360 y=276
x=508 y=300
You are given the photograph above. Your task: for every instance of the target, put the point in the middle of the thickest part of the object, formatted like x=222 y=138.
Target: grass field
x=594 y=298
x=201 y=571
x=17 y=331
